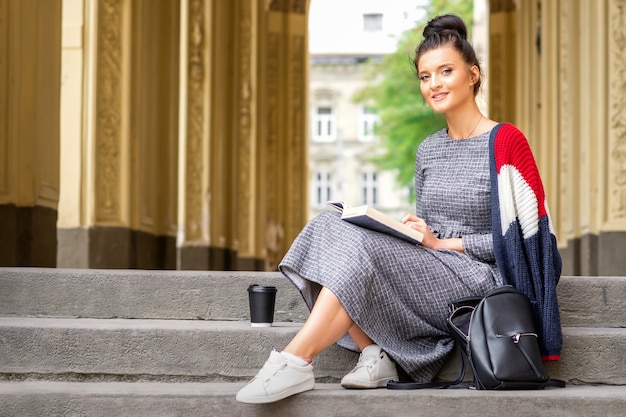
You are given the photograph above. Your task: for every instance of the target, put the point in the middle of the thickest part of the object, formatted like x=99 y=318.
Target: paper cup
x=262 y=302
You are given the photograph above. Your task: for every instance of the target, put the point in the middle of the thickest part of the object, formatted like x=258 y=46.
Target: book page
x=338 y=205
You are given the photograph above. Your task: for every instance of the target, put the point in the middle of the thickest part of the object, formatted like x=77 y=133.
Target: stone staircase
x=178 y=343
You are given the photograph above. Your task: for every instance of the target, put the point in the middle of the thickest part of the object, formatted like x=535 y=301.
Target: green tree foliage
x=393 y=93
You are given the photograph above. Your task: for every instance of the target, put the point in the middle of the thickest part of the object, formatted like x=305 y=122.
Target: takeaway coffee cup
x=262 y=301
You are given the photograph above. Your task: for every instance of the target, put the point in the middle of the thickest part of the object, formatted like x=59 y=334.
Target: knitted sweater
x=524 y=241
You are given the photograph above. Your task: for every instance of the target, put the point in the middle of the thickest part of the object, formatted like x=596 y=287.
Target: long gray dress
x=396 y=292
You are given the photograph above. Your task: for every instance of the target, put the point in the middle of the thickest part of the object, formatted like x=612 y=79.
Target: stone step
x=592 y=301
x=188 y=350
x=182 y=295
x=104 y=399
x=220 y=295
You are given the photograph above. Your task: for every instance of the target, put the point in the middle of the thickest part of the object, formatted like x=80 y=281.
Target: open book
x=370 y=218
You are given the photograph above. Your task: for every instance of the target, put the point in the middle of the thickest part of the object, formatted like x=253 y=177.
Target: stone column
x=242 y=169
x=613 y=237
x=154 y=131
x=30 y=67
x=283 y=149
x=204 y=239
x=501 y=75
x=119 y=107
x=250 y=249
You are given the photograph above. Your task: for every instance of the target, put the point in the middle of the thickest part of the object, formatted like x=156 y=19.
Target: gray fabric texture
x=398 y=293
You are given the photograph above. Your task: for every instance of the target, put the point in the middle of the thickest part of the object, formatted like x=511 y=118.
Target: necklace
x=475 y=126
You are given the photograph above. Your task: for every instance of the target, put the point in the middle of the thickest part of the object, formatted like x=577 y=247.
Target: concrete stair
x=178 y=343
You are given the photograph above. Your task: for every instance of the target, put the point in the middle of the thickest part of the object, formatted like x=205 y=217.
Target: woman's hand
x=419 y=224
x=430 y=240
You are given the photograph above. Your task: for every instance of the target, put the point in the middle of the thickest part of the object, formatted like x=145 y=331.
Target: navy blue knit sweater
x=524 y=240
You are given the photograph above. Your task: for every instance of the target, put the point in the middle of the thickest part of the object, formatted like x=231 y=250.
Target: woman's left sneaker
x=373 y=370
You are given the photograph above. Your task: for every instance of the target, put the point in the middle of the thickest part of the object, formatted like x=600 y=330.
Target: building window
x=368 y=120
x=369 y=188
x=324 y=124
x=322 y=188
x=372 y=22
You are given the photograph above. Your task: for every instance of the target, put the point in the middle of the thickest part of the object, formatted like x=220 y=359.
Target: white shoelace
x=367 y=361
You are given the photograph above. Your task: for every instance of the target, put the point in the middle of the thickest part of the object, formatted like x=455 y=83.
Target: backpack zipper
x=516 y=337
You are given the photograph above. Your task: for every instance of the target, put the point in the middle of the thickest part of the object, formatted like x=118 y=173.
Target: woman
x=380 y=295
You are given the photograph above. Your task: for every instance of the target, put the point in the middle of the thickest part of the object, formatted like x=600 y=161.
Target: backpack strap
x=558 y=383
x=409 y=385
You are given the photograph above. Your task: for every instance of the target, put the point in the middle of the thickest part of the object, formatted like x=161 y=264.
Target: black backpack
x=497 y=335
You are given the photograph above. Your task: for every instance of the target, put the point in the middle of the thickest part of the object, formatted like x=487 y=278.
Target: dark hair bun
x=446 y=26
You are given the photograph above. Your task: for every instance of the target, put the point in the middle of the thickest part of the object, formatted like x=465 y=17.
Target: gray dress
x=396 y=292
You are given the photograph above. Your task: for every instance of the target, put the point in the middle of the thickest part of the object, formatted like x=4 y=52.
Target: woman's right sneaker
x=279 y=378
x=373 y=370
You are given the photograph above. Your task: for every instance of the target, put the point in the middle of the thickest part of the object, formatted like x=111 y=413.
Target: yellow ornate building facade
x=166 y=134
x=152 y=133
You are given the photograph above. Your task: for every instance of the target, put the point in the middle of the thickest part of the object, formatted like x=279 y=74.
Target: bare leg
x=326 y=324
x=360 y=338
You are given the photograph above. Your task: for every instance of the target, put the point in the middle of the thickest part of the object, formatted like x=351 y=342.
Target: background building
x=343 y=37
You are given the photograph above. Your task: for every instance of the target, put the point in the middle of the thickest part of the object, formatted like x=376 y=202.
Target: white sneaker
x=279 y=378
x=373 y=370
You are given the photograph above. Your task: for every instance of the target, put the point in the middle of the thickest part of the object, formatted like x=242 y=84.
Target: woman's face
x=446 y=82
